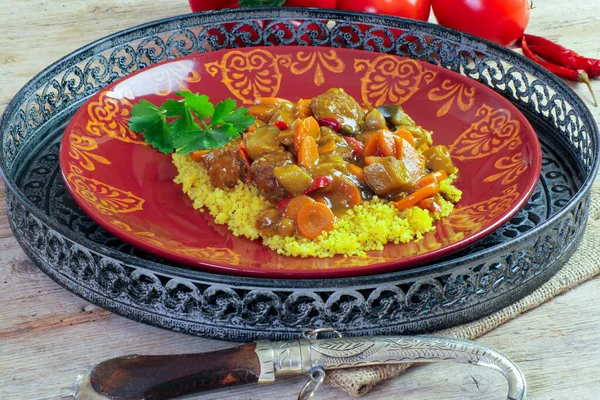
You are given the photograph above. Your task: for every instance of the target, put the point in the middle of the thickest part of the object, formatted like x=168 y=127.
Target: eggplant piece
x=264 y=140
x=284 y=112
x=413 y=161
x=395 y=115
x=388 y=176
x=294 y=179
x=438 y=158
x=374 y=121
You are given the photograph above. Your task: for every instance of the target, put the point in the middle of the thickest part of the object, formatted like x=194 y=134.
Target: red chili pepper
x=244 y=154
x=575 y=75
x=332 y=123
x=356 y=145
x=282 y=205
x=318 y=183
x=560 y=55
x=282 y=125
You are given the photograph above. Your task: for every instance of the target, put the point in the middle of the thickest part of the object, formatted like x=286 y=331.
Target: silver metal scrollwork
x=308 y=355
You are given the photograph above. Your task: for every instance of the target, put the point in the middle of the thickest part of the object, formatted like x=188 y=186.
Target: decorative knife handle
x=167 y=377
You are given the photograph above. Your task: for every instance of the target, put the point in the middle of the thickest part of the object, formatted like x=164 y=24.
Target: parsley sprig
x=190 y=124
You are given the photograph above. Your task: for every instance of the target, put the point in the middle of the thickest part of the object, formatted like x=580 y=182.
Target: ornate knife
x=167 y=377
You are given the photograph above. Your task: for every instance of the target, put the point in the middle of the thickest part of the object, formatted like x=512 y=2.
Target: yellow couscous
x=368 y=226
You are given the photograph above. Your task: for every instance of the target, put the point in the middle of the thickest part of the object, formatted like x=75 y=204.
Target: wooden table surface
x=48 y=335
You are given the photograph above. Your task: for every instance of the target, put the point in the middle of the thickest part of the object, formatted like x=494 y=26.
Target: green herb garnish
x=190 y=124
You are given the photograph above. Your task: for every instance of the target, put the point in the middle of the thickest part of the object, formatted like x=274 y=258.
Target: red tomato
x=501 y=21
x=311 y=3
x=205 y=5
x=415 y=9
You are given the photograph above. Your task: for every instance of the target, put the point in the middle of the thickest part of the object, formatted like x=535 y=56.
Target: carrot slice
x=328 y=147
x=314 y=219
x=371 y=145
x=358 y=172
x=305 y=127
x=313 y=127
x=406 y=135
x=197 y=155
x=386 y=143
x=262 y=111
x=250 y=130
x=412 y=199
x=270 y=101
x=399 y=147
x=433 y=177
x=292 y=208
x=343 y=193
x=429 y=204
x=299 y=133
x=303 y=108
x=380 y=143
x=309 y=152
x=321 y=199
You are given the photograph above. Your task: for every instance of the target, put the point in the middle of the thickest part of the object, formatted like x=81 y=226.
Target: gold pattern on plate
x=81 y=150
x=173 y=77
x=109 y=116
x=356 y=261
x=162 y=238
x=495 y=130
x=148 y=237
x=510 y=169
x=453 y=92
x=319 y=60
x=214 y=254
x=391 y=80
x=250 y=74
x=107 y=199
x=476 y=215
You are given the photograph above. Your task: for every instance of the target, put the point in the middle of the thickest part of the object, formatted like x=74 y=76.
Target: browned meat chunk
x=337 y=104
x=264 y=177
x=226 y=166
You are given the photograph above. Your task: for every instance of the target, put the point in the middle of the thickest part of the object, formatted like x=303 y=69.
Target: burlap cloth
x=582 y=266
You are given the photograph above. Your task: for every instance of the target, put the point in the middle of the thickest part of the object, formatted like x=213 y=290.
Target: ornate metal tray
x=487 y=276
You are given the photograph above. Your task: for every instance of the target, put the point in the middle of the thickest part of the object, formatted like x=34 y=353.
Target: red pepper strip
x=282 y=125
x=356 y=145
x=563 y=72
x=318 y=183
x=560 y=55
x=282 y=205
x=243 y=153
x=332 y=123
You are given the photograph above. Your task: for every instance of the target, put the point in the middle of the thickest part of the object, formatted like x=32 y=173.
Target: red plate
x=127 y=187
